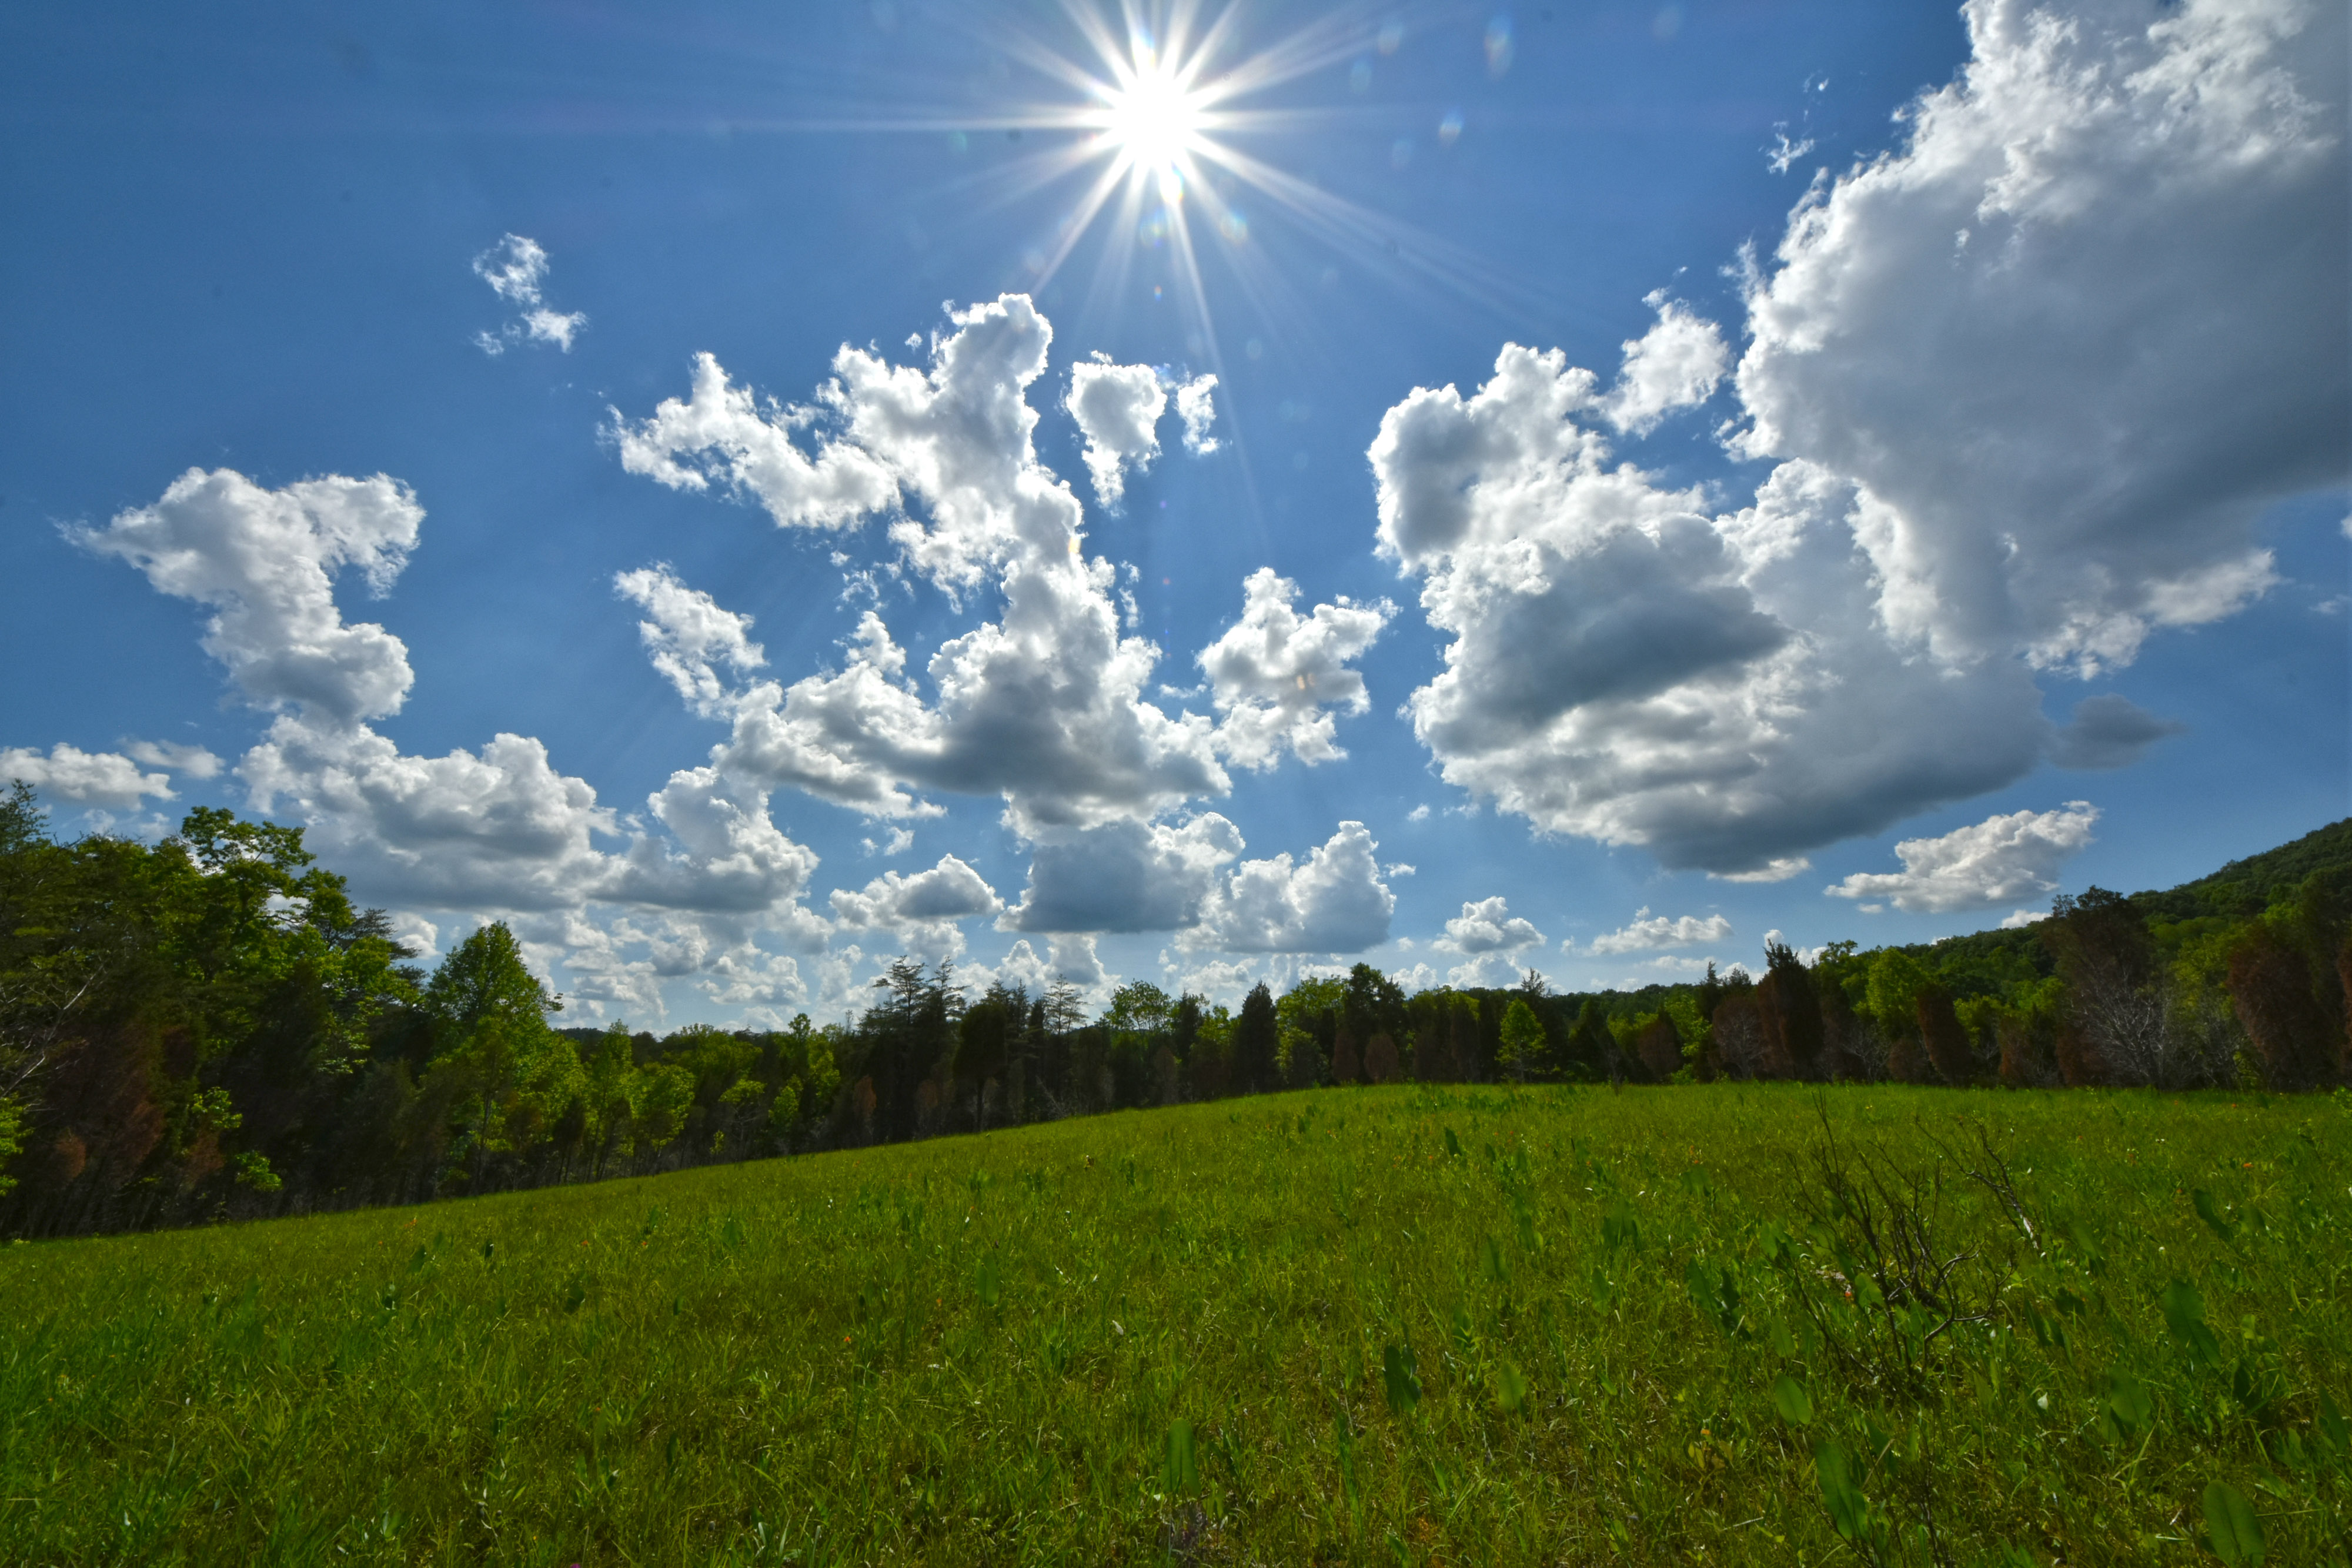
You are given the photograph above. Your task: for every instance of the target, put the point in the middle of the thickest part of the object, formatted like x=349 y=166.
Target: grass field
x=1410 y=1324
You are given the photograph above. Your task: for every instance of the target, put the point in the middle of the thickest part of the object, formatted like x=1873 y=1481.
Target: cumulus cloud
x=264 y=561
x=2017 y=437
x=1647 y=933
x=1780 y=870
x=1043 y=706
x=1278 y=678
x=2082 y=329
x=1997 y=861
x=80 y=777
x=1333 y=902
x=1118 y=410
x=1488 y=926
x=500 y=829
x=1124 y=876
x=1199 y=412
x=515 y=269
x=689 y=635
x=2109 y=731
x=195 y=761
x=1625 y=666
x=920 y=912
x=1676 y=364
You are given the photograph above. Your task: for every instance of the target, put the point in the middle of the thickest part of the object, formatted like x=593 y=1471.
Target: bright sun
x=1151 y=120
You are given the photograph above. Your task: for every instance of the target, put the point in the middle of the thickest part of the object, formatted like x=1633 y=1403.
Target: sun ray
x=1160 y=103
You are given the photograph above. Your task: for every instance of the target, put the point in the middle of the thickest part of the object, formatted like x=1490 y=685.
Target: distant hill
x=2244 y=886
x=2241 y=888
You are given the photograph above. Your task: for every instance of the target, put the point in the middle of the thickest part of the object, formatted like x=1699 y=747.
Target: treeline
x=206 y=1029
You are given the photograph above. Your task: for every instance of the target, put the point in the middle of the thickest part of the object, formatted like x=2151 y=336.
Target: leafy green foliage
x=2230 y=1526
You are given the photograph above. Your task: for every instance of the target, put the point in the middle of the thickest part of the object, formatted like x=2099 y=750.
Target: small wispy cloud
x=515 y=269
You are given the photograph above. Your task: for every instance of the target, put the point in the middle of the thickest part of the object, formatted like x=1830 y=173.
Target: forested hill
x=2247 y=886
x=2239 y=889
x=207 y=1029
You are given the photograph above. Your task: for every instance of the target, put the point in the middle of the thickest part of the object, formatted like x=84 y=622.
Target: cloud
x=1488 y=926
x=898 y=842
x=515 y=269
x=2019 y=919
x=1276 y=678
x=1199 y=412
x=689 y=635
x=500 y=829
x=2109 y=731
x=1043 y=706
x=1626 y=667
x=265 y=560
x=1783 y=155
x=1333 y=902
x=2082 y=329
x=83 y=777
x=920 y=912
x=2017 y=437
x=1124 y=876
x=1780 y=870
x=1676 y=364
x=194 y=761
x=1117 y=408
x=1999 y=859
x=1649 y=932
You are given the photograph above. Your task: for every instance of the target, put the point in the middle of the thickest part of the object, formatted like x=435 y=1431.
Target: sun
x=1165 y=125
x=1150 y=121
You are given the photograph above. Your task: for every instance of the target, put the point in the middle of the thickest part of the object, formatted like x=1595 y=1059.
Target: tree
x=982 y=1049
x=1257 y=1034
x=1790 y=1014
x=1523 y=1041
x=1659 y=1048
x=492 y=1035
x=1946 y=1041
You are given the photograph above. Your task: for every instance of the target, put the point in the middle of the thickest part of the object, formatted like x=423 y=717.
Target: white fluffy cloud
x=1998 y=860
x=1277 y=677
x=1198 y=410
x=2034 y=377
x=496 y=829
x=1333 y=902
x=1676 y=364
x=1043 y=706
x=689 y=635
x=920 y=912
x=1627 y=667
x=1118 y=410
x=195 y=761
x=1124 y=876
x=1488 y=926
x=2078 y=332
x=1648 y=932
x=264 y=561
x=81 y=778
x=515 y=269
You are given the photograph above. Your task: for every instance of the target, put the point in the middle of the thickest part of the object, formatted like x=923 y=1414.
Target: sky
x=1190 y=494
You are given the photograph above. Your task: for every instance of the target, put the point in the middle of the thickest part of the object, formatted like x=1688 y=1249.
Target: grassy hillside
x=1410 y=1324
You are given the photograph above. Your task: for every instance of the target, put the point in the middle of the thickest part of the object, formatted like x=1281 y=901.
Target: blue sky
x=1971 y=367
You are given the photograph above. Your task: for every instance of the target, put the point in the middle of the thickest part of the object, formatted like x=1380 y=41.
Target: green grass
x=992 y=1349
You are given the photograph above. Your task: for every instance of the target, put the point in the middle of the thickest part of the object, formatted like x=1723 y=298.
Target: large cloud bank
x=2030 y=380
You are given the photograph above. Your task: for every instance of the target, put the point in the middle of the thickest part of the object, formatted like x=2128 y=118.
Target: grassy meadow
x=1416 y=1324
